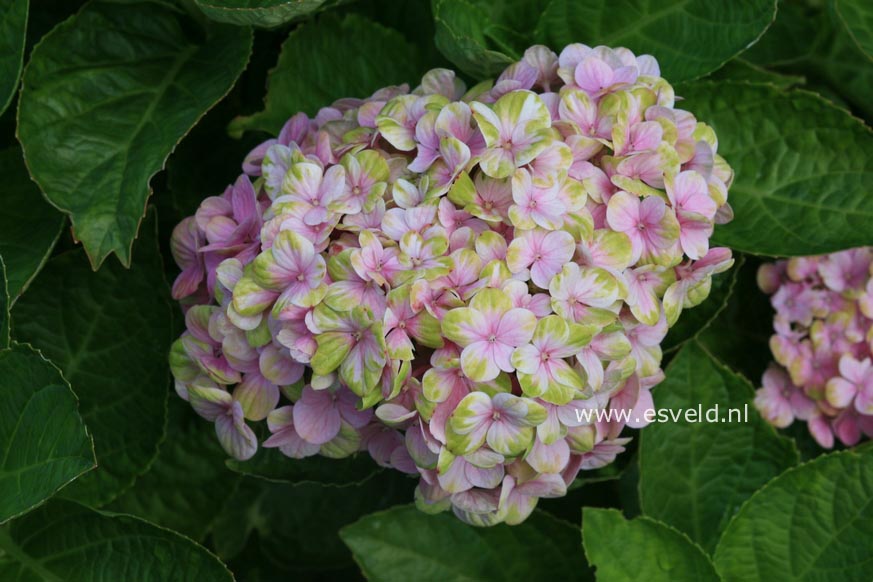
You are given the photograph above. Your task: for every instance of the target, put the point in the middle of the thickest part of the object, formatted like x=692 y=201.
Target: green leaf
x=44 y=442
x=29 y=226
x=690 y=38
x=813 y=522
x=271 y=465
x=106 y=97
x=695 y=320
x=306 y=517
x=796 y=34
x=405 y=544
x=842 y=66
x=802 y=168
x=266 y=13
x=858 y=18
x=67 y=541
x=461 y=36
x=743 y=70
x=110 y=333
x=694 y=475
x=13 y=29
x=328 y=59
x=640 y=549
x=188 y=483
x=413 y=19
x=810 y=39
x=5 y=336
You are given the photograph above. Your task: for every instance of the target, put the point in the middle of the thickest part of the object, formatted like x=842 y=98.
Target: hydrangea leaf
x=811 y=40
x=271 y=465
x=403 y=543
x=796 y=33
x=683 y=481
x=110 y=333
x=483 y=37
x=45 y=442
x=98 y=119
x=304 y=516
x=813 y=522
x=5 y=336
x=461 y=37
x=180 y=490
x=305 y=80
x=265 y=13
x=65 y=541
x=660 y=553
x=858 y=18
x=29 y=226
x=802 y=168
x=13 y=29
x=689 y=38
x=696 y=319
x=742 y=70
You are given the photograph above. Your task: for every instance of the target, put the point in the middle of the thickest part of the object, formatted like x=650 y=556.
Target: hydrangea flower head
x=823 y=345
x=443 y=279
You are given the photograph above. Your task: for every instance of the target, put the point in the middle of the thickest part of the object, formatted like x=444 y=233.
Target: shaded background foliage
x=110 y=106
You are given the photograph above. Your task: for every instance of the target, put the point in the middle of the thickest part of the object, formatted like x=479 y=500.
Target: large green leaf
x=842 y=66
x=106 y=97
x=67 y=541
x=272 y=465
x=812 y=523
x=306 y=517
x=688 y=37
x=29 y=226
x=694 y=321
x=858 y=17
x=267 y=13
x=467 y=34
x=810 y=39
x=13 y=29
x=641 y=549
x=802 y=168
x=742 y=70
x=5 y=335
x=796 y=33
x=44 y=442
x=405 y=544
x=328 y=59
x=110 y=333
x=694 y=475
x=188 y=483
x=413 y=19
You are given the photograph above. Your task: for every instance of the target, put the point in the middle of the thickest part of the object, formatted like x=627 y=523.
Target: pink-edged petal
x=210 y=403
x=316 y=416
x=478 y=361
x=551 y=458
x=257 y=396
x=236 y=437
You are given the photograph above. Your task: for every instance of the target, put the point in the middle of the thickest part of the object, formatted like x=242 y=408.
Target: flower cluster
x=445 y=279
x=822 y=345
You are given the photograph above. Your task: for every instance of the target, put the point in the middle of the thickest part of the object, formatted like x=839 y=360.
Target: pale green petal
x=491 y=302
x=459 y=325
x=333 y=348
